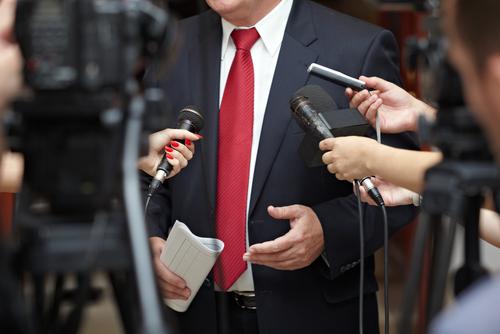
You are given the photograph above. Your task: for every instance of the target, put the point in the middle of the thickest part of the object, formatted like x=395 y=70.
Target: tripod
x=82 y=243
x=454 y=194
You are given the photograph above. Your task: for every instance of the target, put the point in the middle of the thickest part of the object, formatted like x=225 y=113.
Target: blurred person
x=472 y=28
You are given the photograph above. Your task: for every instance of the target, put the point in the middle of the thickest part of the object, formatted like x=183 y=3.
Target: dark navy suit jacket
x=315 y=299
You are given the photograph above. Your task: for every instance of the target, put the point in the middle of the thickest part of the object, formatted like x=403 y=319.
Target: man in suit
x=291 y=232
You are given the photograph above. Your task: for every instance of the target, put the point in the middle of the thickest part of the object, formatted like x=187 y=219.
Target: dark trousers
x=232 y=318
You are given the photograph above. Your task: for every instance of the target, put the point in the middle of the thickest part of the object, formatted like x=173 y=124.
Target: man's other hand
x=296 y=249
x=171 y=285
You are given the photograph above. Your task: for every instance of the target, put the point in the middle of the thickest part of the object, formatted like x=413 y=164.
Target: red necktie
x=235 y=145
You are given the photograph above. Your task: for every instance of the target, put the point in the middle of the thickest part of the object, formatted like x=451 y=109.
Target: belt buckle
x=245 y=299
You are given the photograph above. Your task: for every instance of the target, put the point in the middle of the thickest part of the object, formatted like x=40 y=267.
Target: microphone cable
x=378 y=199
x=148 y=198
x=381 y=204
x=361 y=256
x=386 y=270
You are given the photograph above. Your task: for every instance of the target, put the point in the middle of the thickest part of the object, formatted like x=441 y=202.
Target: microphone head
x=320 y=100
x=193 y=117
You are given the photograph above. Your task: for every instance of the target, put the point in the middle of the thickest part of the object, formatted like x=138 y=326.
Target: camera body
x=455 y=131
x=87 y=45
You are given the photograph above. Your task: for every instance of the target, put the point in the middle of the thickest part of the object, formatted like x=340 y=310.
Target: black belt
x=245 y=300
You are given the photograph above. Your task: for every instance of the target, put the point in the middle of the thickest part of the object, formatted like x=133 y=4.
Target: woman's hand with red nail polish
x=159 y=145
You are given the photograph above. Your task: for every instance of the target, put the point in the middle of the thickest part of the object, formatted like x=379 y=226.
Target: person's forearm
x=404 y=168
x=489 y=227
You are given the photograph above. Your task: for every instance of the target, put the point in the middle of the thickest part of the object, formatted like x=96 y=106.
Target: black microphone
x=189 y=119
x=312 y=121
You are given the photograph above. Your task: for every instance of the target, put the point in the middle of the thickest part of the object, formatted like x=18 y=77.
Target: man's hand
x=398 y=110
x=349 y=158
x=296 y=249
x=393 y=195
x=162 y=143
x=171 y=285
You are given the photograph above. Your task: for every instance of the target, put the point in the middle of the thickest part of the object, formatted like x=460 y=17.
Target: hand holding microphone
x=189 y=122
x=161 y=145
x=393 y=194
x=312 y=122
x=398 y=110
x=349 y=158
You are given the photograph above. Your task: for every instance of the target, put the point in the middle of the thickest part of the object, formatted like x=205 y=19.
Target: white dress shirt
x=265 y=54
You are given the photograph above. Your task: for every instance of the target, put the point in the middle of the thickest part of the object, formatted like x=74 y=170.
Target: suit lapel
x=290 y=74
x=205 y=74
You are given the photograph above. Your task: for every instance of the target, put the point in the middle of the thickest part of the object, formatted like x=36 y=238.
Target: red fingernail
x=169 y=156
x=188 y=142
x=199 y=136
x=169 y=149
x=174 y=144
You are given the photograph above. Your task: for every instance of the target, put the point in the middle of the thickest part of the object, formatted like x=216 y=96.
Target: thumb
x=377 y=83
x=285 y=212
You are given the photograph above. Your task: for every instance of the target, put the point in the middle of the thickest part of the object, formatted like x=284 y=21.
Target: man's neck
x=252 y=16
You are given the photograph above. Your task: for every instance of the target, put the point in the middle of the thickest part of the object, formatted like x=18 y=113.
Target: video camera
x=455 y=131
x=81 y=63
x=80 y=129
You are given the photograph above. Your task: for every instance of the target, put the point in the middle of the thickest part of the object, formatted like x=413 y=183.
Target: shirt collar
x=271 y=28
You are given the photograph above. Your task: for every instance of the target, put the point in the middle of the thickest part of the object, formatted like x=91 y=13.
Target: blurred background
x=404 y=20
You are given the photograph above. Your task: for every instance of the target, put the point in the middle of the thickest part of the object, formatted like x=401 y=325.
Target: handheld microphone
x=312 y=122
x=189 y=119
x=337 y=77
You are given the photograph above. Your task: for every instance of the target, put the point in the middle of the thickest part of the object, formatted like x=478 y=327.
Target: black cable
x=386 y=270
x=148 y=198
x=376 y=196
x=361 y=256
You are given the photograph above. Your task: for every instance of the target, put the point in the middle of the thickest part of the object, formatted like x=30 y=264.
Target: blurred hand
x=7 y=15
x=10 y=56
x=349 y=157
x=11 y=172
x=167 y=142
x=296 y=249
x=398 y=110
x=171 y=285
x=393 y=195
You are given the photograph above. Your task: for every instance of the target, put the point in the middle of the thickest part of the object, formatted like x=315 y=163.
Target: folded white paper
x=191 y=258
